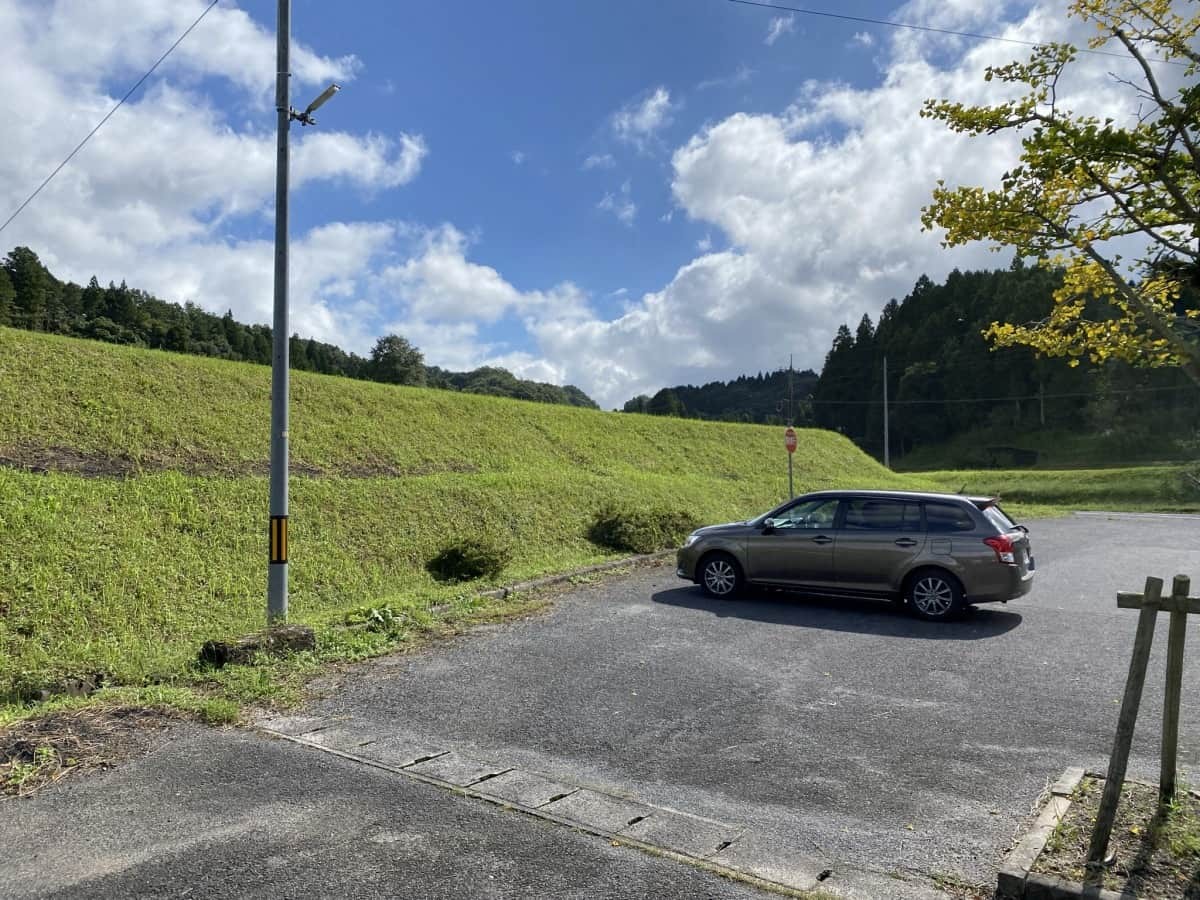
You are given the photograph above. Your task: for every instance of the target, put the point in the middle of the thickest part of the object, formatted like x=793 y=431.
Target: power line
x=1062 y=396
x=100 y=124
x=930 y=28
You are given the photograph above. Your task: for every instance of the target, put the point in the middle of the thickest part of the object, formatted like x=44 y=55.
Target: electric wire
x=968 y=34
x=100 y=124
x=1057 y=396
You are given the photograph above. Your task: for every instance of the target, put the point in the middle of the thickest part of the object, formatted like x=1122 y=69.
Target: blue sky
x=621 y=195
x=538 y=80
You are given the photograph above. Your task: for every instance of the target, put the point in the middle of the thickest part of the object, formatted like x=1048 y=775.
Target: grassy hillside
x=127 y=573
x=1057 y=449
x=1150 y=488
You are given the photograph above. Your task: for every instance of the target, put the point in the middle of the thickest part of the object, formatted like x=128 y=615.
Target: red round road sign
x=789 y=440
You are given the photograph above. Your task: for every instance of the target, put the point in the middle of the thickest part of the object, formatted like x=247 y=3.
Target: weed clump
x=466 y=559
x=640 y=530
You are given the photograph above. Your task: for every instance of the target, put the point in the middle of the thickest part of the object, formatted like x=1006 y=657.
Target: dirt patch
x=38 y=752
x=1157 y=854
x=63 y=459
x=41 y=460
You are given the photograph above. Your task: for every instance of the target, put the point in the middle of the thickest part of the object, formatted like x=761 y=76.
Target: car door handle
x=906 y=542
x=821 y=539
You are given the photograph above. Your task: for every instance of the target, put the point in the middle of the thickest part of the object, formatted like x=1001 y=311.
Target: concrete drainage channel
x=721 y=847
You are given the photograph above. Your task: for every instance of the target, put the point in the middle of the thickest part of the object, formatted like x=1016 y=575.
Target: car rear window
x=942 y=518
x=999 y=518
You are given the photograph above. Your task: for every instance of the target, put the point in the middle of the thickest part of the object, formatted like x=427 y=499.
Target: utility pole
x=277 y=569
x=887 y=456
x=791 y=395
x=791 y=422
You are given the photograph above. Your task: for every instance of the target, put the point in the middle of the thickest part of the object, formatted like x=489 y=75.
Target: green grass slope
x=129 y=575
x=1038 y=491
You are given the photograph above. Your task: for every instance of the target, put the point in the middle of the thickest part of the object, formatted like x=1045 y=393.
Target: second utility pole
x=887 y=457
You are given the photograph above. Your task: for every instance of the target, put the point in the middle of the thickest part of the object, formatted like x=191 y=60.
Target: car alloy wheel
x=721 y=576
x=934 y=597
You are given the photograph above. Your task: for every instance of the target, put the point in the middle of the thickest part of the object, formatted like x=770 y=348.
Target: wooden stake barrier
x=1149 y=602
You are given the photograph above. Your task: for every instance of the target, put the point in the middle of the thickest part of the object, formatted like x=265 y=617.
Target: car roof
x=903 y=495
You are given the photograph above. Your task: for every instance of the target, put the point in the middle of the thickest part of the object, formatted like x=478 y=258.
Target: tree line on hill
x=764 y=399
x=945 y=379
x=33 y=299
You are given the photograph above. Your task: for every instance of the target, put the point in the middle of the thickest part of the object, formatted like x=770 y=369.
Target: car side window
x=872 y=514
x=946 y=518
x=812 y=514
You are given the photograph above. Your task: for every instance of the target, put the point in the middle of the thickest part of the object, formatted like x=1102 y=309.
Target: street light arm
x=322 y=99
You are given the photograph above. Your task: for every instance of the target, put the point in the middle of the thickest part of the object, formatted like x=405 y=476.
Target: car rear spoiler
x=982 y=503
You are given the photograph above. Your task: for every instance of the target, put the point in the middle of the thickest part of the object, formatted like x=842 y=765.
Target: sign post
x=789 y=441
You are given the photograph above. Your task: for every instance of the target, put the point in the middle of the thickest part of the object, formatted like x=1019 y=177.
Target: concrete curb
x=547 y=581
x=753 y=873
x=1015 y=880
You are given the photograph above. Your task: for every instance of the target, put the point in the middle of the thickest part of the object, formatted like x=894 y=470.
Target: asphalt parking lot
x=844 y=732
x=845 y=729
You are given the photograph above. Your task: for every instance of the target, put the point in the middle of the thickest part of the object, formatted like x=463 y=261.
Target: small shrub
x=377 y=618
x=466 y=559
x=640 y=530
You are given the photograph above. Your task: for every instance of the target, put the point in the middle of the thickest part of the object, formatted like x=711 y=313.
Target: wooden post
x=1115 y=779
x=1170 y=733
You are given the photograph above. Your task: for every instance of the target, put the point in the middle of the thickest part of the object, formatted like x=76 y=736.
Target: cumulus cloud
x=620 y=204
x=779 y=26
x=438 y=283
x=152 y=196
x=518 y=157
x=121 y=38
x=639 y=121
x=819 y=207
x=863 y=39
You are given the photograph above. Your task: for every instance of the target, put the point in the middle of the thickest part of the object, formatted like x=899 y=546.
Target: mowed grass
x=128 y=577
x=1034 y=492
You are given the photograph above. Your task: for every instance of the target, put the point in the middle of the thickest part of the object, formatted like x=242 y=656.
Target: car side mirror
x=768 y=526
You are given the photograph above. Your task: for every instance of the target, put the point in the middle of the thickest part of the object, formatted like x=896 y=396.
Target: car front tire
x=720 y=576
x=934 y=595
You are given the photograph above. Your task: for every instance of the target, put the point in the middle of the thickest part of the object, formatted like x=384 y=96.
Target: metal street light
x=277 y=570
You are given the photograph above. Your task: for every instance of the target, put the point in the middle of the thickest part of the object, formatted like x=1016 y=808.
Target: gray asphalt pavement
x=844 y=731
x=225 y=813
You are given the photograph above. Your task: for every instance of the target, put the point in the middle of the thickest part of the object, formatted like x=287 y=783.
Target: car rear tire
x=934 y=595
x=720 y=576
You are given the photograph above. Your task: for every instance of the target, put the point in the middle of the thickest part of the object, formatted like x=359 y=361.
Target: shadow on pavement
x=841 y=614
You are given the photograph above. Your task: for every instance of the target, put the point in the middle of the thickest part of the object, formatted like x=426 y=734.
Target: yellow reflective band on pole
x=279 y=541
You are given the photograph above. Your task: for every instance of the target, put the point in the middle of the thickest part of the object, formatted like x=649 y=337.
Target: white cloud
x=518 y=157
x=122 y=38
x=152 y=196
x=373 y=161
x=639 y=121
x=779 y=26
x=599 y=161
x=705 y=244
x=620 y=204
x=819 y=205
x=863 y=39
x=439 y=284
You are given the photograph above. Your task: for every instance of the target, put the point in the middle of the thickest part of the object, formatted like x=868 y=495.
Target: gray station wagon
x=936 y=552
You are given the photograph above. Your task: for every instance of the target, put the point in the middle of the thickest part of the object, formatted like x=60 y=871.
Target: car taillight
x=1003 y=546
